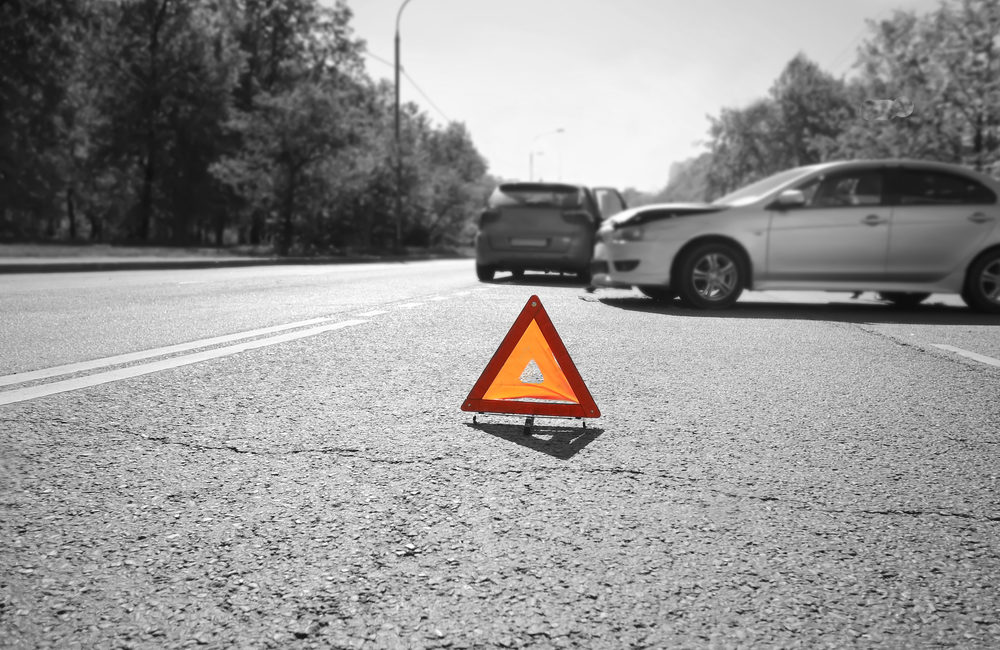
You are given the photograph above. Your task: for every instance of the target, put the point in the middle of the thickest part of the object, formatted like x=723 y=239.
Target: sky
x=629 y=83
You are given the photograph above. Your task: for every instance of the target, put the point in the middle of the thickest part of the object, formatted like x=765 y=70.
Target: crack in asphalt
x=890 y=338
x=962 y=361
x=353 y=451
x=252 y=452
x=923 y=513
x=806 y=505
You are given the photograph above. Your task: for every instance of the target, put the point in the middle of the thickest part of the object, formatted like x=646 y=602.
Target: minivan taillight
x=488 y=216
x=578 y=217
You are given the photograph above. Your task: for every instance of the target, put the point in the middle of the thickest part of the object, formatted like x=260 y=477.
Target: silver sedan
x=902 y=228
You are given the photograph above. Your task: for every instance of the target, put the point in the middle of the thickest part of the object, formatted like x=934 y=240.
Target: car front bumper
x=630 y=264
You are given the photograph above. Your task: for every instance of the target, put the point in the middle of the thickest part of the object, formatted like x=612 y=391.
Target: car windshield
x=563 y=196
x=756 y=191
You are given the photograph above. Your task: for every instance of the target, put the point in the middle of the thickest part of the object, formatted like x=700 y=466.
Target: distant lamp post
x=532 y=152
x=399 y=146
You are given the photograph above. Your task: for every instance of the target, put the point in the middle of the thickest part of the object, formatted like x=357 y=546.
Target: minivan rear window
x=562 y=196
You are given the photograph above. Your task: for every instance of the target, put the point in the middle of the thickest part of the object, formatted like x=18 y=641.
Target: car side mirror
x=790 y=199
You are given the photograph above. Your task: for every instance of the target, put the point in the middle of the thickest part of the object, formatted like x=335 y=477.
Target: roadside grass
x=109 y=250
x=63 y=250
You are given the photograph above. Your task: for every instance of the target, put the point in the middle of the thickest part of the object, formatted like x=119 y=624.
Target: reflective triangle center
x=532 y=348
x=532 y=374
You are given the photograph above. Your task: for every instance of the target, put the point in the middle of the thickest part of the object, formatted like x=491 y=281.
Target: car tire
x=584 y=276
x=517 y=274
x=903 y=299
x=485 y=273
x=657 y=293
x=982 y=283
x=711 y=276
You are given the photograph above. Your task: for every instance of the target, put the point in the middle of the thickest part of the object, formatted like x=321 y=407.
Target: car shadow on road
x=541 y=280
x=562 y=442
x=860 y=312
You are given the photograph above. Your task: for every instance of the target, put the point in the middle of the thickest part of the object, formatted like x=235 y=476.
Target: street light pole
x=399 y=146
x=531 y=150
x=531 y=164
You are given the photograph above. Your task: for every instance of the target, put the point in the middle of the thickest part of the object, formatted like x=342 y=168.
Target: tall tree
x=170 y=120
x=964 y=40
x=286 y=139
x=742 y=146
x=946 y=64
x=893 y=64
x=810 y=106
x=37 y=51
x=166 y=71
x=451 y=179
x=688 y=181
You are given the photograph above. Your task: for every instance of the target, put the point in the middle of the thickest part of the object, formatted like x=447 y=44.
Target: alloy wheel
x=715 y=276
x=989 y=281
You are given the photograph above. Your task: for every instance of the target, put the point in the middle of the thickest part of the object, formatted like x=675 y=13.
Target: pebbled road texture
x=753 y=483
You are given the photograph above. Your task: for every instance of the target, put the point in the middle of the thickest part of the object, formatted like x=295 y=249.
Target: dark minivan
x=542 y=227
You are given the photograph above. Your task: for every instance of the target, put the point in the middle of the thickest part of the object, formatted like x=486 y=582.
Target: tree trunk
x=96 y=228
x=256 y=228
x=146 y=203
x=288 y=210
x=220 y=227
x=71 y=213
x=149 y=171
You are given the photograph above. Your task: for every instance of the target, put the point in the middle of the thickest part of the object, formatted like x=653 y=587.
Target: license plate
x=527 y=241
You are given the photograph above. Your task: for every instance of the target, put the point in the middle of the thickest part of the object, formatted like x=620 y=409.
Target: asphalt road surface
x=275 y=457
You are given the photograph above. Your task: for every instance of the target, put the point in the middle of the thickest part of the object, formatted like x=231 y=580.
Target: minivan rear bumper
x=573 y=254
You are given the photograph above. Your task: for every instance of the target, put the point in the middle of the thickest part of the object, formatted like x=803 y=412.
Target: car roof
x=912 y=163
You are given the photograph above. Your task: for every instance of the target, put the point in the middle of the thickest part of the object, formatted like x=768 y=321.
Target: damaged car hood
x=658 y=211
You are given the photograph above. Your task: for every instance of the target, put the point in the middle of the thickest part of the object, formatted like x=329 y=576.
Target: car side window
x=844 y=189
x=919 y=187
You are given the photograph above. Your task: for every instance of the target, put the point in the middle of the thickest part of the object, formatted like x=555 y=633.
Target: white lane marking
x=410 y=305
x=438 y=298
x=981 y=358
x=193 y=282
x=70 y=368
x=377 y=312
x=461 y=293
x=33 y=392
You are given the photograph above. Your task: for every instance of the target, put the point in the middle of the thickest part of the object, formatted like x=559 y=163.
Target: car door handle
x=979 y=217
x=873 y=220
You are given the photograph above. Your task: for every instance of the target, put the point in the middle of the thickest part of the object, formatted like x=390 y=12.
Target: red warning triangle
x=562 y=392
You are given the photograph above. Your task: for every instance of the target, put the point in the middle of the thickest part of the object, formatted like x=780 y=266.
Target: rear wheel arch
x=992 y=250
x=971 y=291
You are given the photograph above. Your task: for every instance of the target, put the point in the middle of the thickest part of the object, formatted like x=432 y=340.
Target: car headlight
x=627 y=234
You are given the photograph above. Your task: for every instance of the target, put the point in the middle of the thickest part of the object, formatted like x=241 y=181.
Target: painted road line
x=82 y=366
x=410 y=305
x=437 y=298
x=66 y=385
x=377 y=312
x=981 y=358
